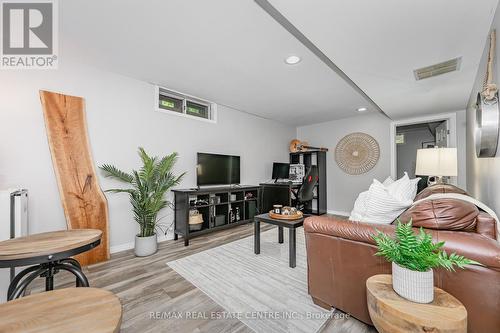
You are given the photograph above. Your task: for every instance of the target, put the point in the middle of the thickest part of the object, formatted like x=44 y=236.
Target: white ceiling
x=232 y=52
x=379 y=43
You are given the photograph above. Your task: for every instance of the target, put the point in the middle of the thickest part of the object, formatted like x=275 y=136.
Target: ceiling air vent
x=437 y=69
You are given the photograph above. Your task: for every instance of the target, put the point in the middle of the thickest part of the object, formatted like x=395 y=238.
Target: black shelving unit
x=219 y=203
x=318 y=205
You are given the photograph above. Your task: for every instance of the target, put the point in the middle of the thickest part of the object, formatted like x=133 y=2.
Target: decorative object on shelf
x=149 y=185
x=299 y=146
x=297 y=173
x=195 y=220
x=198 y=202
x=277 y=209
x=393 y=314
x=288 y=213
x=85 y=206
x=232 y=216
x=436 y=163
x=413 y=257
x=487 y=111
x=357 y=153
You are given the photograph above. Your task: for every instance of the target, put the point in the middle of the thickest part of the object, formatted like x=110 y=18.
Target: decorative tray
x=297 y=216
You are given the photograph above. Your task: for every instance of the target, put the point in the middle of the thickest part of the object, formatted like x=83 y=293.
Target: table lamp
x=436 y=162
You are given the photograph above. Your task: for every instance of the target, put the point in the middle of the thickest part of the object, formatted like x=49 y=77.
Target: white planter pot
x=145 y=246
x=413 y=285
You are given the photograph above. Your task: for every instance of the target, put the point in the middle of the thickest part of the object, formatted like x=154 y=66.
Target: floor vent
x=438 y=69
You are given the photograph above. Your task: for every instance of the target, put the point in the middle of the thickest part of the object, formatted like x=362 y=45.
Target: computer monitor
x=281 y=171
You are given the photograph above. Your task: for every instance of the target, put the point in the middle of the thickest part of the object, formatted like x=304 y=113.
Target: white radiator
x=13 y=223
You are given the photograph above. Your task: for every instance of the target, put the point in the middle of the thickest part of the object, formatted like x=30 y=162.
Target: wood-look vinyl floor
x=157 y=299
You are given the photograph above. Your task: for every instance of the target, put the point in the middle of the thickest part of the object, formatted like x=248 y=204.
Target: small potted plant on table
x=413 y=257
x=149 y=185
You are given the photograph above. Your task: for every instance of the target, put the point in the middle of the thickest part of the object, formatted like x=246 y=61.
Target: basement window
x=175 y=103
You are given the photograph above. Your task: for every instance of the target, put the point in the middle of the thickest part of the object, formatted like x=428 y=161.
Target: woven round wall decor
x=357 y=153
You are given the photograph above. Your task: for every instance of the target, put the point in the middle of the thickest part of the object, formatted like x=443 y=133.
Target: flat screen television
x=216 y=169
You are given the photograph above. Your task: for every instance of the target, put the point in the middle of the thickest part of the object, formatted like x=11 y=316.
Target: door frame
x=452 y=142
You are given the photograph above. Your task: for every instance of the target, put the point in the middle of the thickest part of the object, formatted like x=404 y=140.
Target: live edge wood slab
x=84 y=204
x=76 y=310
x=391 y=313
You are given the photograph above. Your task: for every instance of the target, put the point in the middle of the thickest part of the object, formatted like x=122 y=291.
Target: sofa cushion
x=443 y=214
x=441 y=188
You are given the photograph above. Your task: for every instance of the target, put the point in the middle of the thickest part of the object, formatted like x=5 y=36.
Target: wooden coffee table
x=48 y=252
x=291 y=225
x=76 y=310
x=390 y=312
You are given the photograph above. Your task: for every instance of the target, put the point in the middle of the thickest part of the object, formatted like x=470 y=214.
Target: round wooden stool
x=390 y=312
x=49 y=252
x=64 y=310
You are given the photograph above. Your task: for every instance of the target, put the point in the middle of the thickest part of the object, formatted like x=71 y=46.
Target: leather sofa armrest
x=351 y=230
x=471 y=245
x=486 y=225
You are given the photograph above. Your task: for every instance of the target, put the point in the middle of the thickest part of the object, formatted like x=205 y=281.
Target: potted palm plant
x=148 y=187
x=413 y=257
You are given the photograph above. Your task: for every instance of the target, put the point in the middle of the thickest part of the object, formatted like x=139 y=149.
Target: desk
x=276 y=194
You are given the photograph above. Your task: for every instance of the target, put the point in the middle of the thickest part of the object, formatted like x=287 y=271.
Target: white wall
x=343 y=189
x=121 y=117
x=483 y=174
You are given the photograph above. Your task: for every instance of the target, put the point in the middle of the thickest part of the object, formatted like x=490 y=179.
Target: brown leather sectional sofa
x=340 y=256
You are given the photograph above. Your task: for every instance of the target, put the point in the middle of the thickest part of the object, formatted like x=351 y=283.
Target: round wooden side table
x=390 y=312
x=48 y=252
x=76 y=310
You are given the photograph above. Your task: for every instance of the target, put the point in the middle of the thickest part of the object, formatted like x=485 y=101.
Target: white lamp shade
x=437 y=162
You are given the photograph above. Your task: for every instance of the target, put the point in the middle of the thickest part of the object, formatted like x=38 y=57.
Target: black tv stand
x=218 y=204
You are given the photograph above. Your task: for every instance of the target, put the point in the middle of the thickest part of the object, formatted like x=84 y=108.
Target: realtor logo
x=29 y=34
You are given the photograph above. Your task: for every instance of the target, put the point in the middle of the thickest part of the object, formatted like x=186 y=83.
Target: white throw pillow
x=381 y=206
x=388 y=181
x=404 y=188
x=359 y=209
x=384 y=202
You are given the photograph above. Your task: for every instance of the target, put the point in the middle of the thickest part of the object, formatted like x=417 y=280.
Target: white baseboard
x=121 y=247
x=130 y=245
x=338 y=212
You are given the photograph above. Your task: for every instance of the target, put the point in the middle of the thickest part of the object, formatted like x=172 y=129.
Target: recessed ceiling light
x=362 y=109
x=292 y=60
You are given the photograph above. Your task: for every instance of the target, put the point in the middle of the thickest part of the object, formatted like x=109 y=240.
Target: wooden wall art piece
x=357 y=153
x=84 y=203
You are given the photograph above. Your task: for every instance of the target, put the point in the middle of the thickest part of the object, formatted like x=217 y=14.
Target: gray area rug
x=260 y=290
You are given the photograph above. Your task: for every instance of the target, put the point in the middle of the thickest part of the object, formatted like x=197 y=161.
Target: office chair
x=306 y=191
